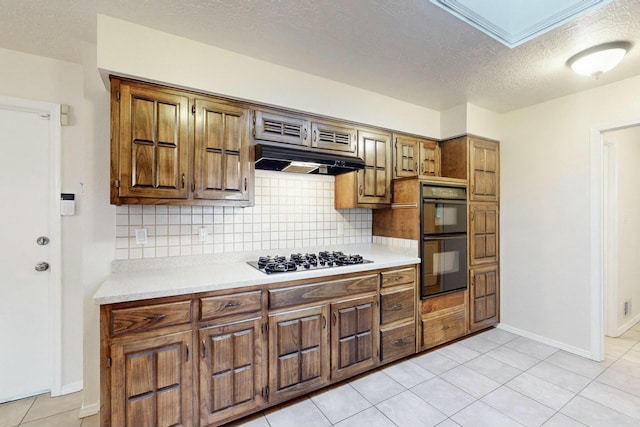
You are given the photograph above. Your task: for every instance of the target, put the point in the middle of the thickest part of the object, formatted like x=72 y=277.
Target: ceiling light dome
x=598 y=59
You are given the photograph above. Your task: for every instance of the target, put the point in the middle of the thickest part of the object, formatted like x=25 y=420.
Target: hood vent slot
x=286 y=159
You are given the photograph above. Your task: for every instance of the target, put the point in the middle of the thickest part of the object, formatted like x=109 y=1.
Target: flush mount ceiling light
x=598 y=59
x=513 y=22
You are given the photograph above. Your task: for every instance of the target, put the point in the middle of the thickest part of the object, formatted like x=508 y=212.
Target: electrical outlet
x=141 y=236
x=627 y=307
x=202 y=235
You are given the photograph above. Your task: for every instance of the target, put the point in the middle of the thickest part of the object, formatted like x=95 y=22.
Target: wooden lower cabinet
x=231 y=370
x=151 y=381
x=298 y=352
x=353 y=336
x=484 y=298
x=443 y=319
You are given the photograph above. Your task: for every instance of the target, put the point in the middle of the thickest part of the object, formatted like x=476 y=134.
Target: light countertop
x=162 y=277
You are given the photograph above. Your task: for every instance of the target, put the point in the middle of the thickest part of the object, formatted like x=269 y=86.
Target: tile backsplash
x=292 y=211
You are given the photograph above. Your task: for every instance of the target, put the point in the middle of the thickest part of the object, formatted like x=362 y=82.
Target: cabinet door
x=334 y=137
x=151 y=382
x=429 y=159
x=483 y=170
x=153 y=142
x=276 y=127
x=374 y=182
x=298 y=352
x=354 y=334
x=231 y=372
x=222 y=164
x=483 y=233
x=484 y=297
x=406 y=157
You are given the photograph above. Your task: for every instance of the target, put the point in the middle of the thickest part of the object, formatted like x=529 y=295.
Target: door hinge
x=265 y=392
x=117 y=183
x=108 y=362
x=193 y=109
x=118 y=95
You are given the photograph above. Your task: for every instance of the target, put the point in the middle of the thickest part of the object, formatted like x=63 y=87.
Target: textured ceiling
x=409 y=50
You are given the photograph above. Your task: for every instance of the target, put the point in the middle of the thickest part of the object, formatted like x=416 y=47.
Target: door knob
x=42 y=266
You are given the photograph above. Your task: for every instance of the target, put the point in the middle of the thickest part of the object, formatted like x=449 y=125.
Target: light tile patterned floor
x=492 y=379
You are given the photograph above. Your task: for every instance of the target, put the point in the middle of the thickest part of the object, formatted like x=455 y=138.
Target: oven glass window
x=442 y=217
x=444 y=264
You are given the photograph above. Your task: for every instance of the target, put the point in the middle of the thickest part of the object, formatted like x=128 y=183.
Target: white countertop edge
x=164 y=277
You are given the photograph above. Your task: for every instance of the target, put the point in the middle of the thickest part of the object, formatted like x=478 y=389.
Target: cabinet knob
x=182 y=180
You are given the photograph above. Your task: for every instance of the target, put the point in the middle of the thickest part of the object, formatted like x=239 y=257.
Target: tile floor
x=495 y=378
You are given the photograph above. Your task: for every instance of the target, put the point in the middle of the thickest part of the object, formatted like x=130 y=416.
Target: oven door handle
x=445 y=236
x=444 y=201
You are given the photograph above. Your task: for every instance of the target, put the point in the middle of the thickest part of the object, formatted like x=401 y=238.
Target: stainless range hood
x=285 y=159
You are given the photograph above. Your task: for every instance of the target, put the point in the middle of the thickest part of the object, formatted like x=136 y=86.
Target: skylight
x=513 y=22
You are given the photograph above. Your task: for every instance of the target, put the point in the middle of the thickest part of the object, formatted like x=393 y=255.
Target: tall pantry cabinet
x=477 y=160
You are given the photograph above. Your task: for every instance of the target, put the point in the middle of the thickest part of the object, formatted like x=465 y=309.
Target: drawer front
x=397 y=342
x=144 y=318
x=296 y=295
x=437 y=330
x=214 y=307
x=397 y=306
x=398 y=277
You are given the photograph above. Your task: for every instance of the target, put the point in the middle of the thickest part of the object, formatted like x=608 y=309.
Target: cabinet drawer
x=296 y=295
x=443 y=328
x=397 y=305
x=214 y=307
x=144 y=318
x=397 y=342
x=398 y=277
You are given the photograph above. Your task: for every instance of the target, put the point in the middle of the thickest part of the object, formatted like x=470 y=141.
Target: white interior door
x=26 y=358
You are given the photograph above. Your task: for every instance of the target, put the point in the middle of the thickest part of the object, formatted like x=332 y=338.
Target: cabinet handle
x=444 y=328
x=182 y=180
x=361 y=190
x=187 y=345
x=473 y=188
x=324 y=320
x=306 y=134
x=396 y=307
x=422 y=167
x=399 y=342
x=246 y=184
x=231 y=304
x=335 y=318
x=315 y=136
x=155 y=318
x=204 y=350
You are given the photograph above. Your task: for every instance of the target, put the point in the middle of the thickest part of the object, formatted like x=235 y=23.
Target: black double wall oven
x=443 y=226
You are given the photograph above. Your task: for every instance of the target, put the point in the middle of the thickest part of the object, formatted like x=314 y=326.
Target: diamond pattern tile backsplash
x=291 y=211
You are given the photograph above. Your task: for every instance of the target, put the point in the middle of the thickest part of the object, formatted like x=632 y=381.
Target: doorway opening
x=605 y=220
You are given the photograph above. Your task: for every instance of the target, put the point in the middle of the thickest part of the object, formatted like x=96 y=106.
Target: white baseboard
x=548 y=341
x=71 y=388
x=88 y=410
x=626 y=326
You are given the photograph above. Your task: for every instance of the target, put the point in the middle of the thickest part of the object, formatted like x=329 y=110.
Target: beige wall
x=42 y=79
x=545 y=207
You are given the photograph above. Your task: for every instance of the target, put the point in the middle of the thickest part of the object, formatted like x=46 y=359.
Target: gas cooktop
x=300 y=262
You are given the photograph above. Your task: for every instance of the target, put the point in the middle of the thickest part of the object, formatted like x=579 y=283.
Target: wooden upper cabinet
x=334 y=137
x=415 y=157
x=222 y=164
x=152 y=137
x=278 y=127
x=483 y=170
x=370 y=187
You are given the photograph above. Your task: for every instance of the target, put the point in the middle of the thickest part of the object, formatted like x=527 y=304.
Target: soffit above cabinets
x=513 y=22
